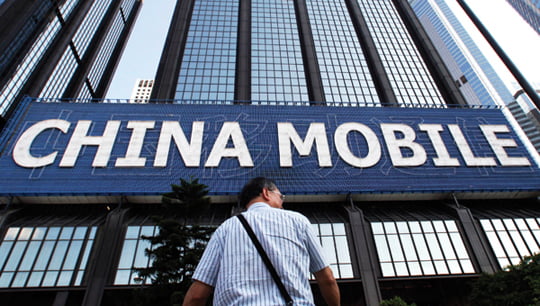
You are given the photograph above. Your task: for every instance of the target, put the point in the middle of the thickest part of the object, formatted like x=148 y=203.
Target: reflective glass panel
x=412 y=248
x=209 y=61
x=276 y=63
x=37 y=256
x=344 y=70
x=512 y=238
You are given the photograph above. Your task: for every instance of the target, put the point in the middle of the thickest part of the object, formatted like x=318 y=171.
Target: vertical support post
x=173 y=52
x=311 y=65
x=479 y=245
x=107 y=246
x=242 y=90
x=379 y=75
x=502 y=55
x=61 y=298
x=365 y=255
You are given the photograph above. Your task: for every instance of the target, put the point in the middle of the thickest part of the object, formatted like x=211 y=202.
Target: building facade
x=474 y=75
x=529 y=10
x=141 y=91
x=65 y=49
x=345 y=103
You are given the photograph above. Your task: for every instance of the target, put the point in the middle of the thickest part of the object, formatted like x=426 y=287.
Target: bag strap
x=266 y=260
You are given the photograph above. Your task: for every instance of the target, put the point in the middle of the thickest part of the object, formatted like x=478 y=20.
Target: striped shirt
x=232 y=265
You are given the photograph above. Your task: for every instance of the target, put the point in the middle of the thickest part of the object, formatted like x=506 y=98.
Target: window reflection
x=44 y=257
x=335 y=247
x=209 y=62
x=413 y=248
x=344 y=69
x=512 y=239
x=403 y=64
x=277 y=65
x=133 y=255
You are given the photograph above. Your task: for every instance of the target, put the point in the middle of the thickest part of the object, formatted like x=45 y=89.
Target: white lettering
x=443 y=158
x=316 y=133
x=190 y=151
x=465 y=149
x=133 y=155
x=394 y=145
x=230 y=130
x=79 y=138
x=374 y=148
x=498 y=145
x=21 y=151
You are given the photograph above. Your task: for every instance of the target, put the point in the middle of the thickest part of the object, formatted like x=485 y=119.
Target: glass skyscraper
x=472 y=72
x=529 y=10
x=66 y=48
x=318 y=52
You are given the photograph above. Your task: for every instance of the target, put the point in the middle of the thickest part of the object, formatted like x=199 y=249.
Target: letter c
x=21 y=151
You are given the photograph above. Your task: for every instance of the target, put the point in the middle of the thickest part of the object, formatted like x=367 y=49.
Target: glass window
x=335 y=246
x=512 y=238
x=277 y=66
x=344 y=70
x=399 y=55
x=413 y=248
x=44 y=256
x=210 y=52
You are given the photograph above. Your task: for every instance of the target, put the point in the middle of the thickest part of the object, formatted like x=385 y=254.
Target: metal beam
x=375 y=65
x=502 y=55
x=311 y=65
x=365 y=255
x=171 y=58
x=107 y=249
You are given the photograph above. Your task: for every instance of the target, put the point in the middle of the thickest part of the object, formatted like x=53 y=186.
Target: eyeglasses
x=281 y=196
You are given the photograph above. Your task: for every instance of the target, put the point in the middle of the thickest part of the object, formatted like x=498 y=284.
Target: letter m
x=316 y=134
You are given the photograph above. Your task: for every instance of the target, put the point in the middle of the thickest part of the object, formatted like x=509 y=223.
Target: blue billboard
x=140 y=149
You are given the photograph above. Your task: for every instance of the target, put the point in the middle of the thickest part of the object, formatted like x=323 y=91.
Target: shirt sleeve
x=208 y=267
x=316 y=256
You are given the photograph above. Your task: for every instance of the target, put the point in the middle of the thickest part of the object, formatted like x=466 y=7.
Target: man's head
x=261 y=189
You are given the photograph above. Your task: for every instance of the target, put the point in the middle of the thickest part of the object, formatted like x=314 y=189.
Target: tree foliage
x=518 y=285
x=178 y=246
x=395 y=301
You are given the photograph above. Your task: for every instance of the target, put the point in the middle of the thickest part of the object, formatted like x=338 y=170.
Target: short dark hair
x=254 y=188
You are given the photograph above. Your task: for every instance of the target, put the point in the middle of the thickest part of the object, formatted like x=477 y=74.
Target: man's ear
x=265 y=194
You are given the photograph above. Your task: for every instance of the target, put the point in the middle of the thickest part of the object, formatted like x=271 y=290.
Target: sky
x=513 y=34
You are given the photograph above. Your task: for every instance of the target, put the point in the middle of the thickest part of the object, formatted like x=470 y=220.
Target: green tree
x=178 y=246
x=518 y=285
x=395 y=301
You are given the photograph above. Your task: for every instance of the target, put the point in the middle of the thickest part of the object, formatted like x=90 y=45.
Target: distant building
x=529 y=10
x=62 y=49
x=141 y=91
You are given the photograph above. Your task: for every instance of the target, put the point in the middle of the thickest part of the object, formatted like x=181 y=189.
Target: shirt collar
x=258 y=205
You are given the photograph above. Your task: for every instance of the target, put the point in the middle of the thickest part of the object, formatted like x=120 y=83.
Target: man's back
x=233 y=266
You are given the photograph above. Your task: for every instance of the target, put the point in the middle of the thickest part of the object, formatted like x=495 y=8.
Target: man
x=232 y=267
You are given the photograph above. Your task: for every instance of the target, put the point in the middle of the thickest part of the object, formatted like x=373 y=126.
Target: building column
x=479 y=246
x=311 y=65
x=375 y=65
x=242 y=90
x=365 y=255
x=61 y=298
x=440 y=73
x=106 y=249
x=173 y=52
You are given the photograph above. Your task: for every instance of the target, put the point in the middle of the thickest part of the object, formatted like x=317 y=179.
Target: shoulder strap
x=266 y=260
